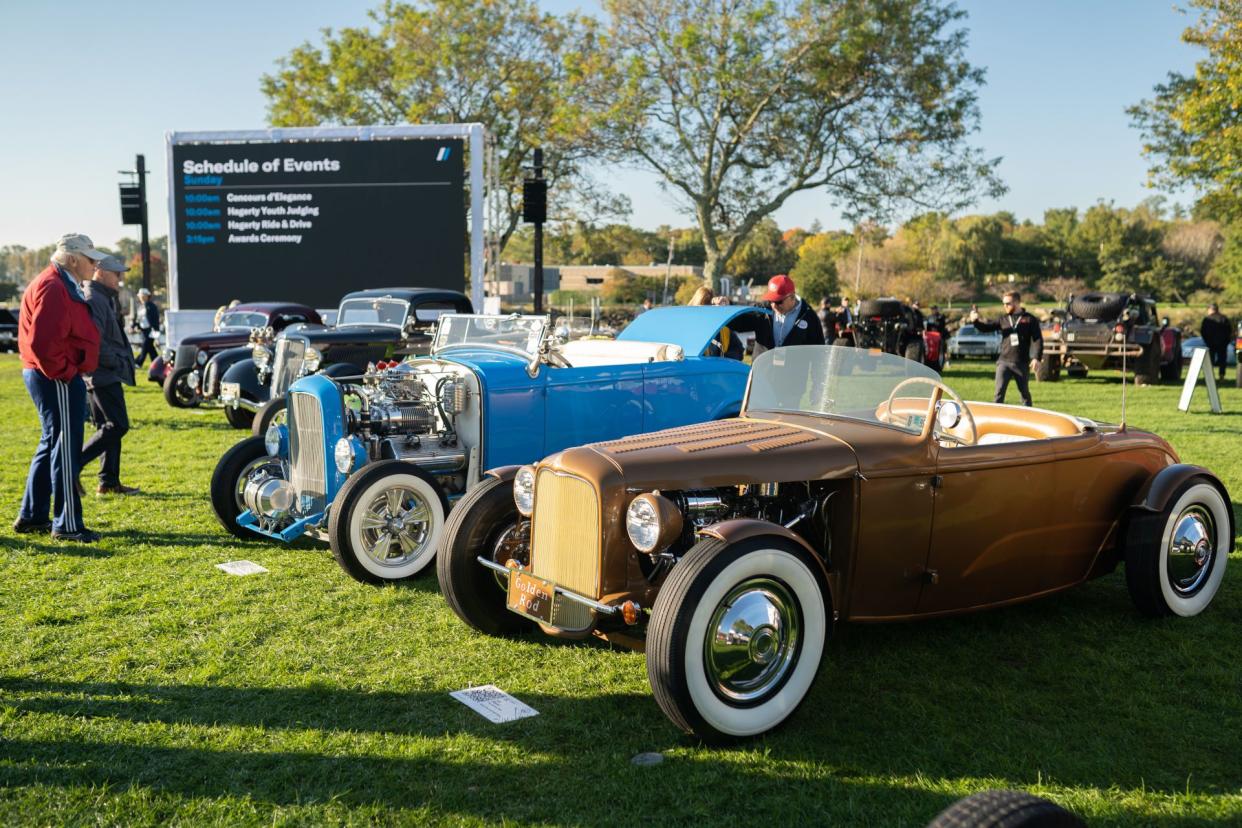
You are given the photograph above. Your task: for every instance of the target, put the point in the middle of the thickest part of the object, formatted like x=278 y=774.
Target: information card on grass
x=493 y=704
x=241 y=568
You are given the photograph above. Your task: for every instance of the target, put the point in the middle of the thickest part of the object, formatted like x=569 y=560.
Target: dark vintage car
x=1110 y=331
x=855 y=486
x=182 y=369
x=8 y=329
x=894 y=327
x=371 y=325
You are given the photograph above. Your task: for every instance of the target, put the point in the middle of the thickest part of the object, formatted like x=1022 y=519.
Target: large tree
x=502 y=63
x=1192 y=126
x=739 y=104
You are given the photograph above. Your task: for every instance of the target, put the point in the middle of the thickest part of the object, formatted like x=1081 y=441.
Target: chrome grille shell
x=287 y=363
x=307 y=454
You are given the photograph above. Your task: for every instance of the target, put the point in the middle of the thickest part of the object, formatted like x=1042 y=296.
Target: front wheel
x=1005 y=809
x=177 y=390
x=271 y=413
x=386 y=522
x=736 y=637
x=484 y=524
x=228 y=482
x=1175 y=558
x=239 y=417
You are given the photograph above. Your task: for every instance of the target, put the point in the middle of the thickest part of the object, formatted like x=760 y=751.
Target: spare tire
x=885 y=307
x=1105 y=306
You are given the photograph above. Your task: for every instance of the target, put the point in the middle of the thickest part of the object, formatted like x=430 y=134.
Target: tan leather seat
x=1007 y=423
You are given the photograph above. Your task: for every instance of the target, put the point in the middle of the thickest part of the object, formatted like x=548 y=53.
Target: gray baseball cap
x=111 y=263
x=79 y=244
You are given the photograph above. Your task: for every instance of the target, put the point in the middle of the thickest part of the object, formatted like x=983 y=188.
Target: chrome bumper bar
x=571 y=595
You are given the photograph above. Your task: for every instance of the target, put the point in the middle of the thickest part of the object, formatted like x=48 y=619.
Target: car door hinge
x=931 y=576
x=937 y=481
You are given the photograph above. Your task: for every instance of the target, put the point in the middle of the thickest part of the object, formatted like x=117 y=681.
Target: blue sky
x=86 y=85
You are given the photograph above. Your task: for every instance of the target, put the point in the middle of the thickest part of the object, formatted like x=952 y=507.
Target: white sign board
x=241 y=568
x=494 y=704
x=1199 y=364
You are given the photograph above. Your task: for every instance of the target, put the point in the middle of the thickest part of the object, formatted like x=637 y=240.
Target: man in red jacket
x=59 y=342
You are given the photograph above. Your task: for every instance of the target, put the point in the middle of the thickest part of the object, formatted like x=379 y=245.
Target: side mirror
x=948 y=415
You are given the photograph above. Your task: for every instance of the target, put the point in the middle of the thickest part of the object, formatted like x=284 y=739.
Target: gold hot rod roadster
x=855 y=486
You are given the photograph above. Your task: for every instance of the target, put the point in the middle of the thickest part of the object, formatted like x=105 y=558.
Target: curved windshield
x=833 y=381
x=368 y=311
x=242 y=319
x=514 y=334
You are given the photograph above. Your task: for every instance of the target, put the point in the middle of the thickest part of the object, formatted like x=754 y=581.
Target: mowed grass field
x=140 y=685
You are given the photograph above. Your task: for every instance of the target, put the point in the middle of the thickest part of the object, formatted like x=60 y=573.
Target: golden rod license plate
x=531 y=596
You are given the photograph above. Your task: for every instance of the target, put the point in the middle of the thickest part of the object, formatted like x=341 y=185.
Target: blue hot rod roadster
x=372 y=463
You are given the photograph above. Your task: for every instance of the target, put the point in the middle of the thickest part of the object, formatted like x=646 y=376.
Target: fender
x=1158 y=491
x=724 y=411
x=740 y=529
x=502 y=473
x=342 y=369
x=246 y=375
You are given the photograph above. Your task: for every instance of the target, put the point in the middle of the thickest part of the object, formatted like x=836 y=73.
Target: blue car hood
x=692 y=328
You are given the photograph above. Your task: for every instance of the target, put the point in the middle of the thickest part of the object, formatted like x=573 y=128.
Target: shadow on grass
x=44 y=545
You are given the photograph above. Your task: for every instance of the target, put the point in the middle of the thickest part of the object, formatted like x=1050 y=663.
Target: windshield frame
x=340 y=311
x=532 y=359
x=225 y=327
x=919 y=370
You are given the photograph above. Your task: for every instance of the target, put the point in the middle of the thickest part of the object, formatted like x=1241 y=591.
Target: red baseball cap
x=779 y=287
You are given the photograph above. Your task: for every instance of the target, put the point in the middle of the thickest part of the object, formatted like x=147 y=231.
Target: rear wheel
x=271 y=413
x=914 y=351
x=484 y=524
x=238 y=417
x=386 y=522
x=1048 y=369
x=228 y=482
x=1005 y=809
x=1175 y=558
x=736 y=637
x=1147 y=369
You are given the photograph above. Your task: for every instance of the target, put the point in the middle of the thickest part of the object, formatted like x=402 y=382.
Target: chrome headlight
x=201 y=358
x=524 y=490
x=312 y=359
x=276 y=440
x=262 y=356
x=653 y=523
x=346 y=453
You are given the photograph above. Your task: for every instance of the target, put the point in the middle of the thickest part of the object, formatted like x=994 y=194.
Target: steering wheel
x=970 y=418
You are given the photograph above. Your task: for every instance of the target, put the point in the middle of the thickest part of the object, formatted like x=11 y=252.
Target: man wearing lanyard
x=793 y=321
x=1022 y=345
x=59 y=342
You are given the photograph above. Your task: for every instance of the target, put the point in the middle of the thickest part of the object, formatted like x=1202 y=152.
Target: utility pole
x=134 y=211
x=535 y=211
x=668 y=267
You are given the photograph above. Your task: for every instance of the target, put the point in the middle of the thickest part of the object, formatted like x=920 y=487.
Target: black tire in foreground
x=239 y=417
x=1102 y=306
x=480 y=525
x=885 y=308
x=272 y=411
x=914 y=351
x=1005 y=809
x=1048 y=369
x=1147 y=366
x=386 y=522
x=228 y=481
x=177 y=391
x=716 y=683
x=1175 y=558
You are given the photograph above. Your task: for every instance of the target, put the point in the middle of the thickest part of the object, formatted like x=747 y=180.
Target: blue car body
x=525 y=410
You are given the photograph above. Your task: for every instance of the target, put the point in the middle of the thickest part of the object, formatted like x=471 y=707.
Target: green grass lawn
x=140 y=685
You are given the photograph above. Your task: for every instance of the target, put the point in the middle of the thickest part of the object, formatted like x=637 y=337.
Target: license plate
x=531 y=596
x=1069 y=337
x=230 y=391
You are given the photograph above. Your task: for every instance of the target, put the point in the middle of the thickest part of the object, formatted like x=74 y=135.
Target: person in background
x=1022 y=344
x=845 y=316
x=793 y=322
x=58 y=344
x=1216 y=332
x=936 y=322
x=147 y=318
x=645 y=306
x=124 y=306
x=703 y=296
x=920 y=322
x=106 y=383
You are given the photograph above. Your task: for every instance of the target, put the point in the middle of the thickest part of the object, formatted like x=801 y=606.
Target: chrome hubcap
x=396 y=526
x=265 y=463
x=513 y=544
x=753 y=640
x=1191 y=551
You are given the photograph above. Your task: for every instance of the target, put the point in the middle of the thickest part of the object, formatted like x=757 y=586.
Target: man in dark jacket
x=1022 y=344
x=1216 y=332
x=793 y=321
x=147 y=320
x=106 y=383
x=58 y=343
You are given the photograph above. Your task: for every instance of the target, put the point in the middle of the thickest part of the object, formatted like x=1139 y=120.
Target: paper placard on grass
x=241 y=568
x=493 y=704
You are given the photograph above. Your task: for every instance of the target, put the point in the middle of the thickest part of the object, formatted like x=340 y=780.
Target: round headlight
x=343 y=453
x=201 y=358
x=275 y=439
x=312 y=360
x=524 y=490
x=261 y=356
x=653 y=523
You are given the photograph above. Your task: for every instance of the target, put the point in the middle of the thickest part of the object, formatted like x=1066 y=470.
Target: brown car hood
x=722 y=453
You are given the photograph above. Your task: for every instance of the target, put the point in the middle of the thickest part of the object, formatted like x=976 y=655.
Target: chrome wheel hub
x=753 y=640
x=396 y=526
x=1191 y=550
x=267 y=464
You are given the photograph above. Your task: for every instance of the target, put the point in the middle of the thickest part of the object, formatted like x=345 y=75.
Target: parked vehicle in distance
x=893 y=327
x=183 y=368
x=1189 y=345
x=1103 y=329
x=971 y=342
x=371 y=325
x=855 y=486
x=8 y=330
x=372 y=464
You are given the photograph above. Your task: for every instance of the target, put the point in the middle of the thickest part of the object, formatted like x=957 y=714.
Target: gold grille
x=565 y=545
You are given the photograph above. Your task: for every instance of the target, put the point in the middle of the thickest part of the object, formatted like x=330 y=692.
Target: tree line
x=20 y=264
